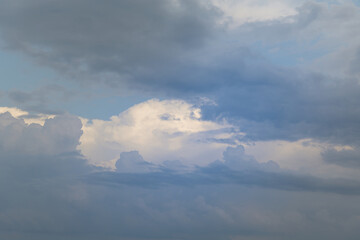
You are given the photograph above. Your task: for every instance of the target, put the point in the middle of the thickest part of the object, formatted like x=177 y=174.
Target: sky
x=179 y=119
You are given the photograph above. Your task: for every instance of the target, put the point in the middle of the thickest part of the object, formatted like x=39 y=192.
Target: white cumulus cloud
x=160 y=131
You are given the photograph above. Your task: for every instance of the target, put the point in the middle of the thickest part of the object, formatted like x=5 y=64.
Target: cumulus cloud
x=235 y=167
x=160 y=131
x=26 y=116
x=133 y=162
x=39 y=172
x=58 y=135
x=53 y=193
x=235 y=158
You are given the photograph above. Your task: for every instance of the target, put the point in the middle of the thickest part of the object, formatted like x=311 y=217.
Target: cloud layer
x=57 y=194
x=251 y=130
x=182 y=49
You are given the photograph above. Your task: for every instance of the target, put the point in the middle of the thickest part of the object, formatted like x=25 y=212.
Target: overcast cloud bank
x=254 y=132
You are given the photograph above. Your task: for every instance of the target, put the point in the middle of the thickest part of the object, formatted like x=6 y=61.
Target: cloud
x=26 y=116
x=57 y=135
x=40 y=100
x=245 y=11
x=133 y=162
x=161 y=131
x=184 y=53
x=53 y=193
x=15 y=112
x=275 y=102
x=121 y=37
x=312 y=38
x=234 y=170
x=287 y=105
x=39 y=172
x=348 y=158
x=235 y=158
x=182 y=171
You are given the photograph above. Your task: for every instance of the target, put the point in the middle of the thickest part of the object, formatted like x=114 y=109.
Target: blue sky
x=179 y=120
x=21 y=74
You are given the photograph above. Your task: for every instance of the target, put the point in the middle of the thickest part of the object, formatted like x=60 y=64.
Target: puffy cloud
x=235 y=158
x=235 y=167
x=39 y=172
x=53 y=193
x=58 y=135
x=160 y=131
x=26 y=116
x=15 y=112
x=133 y=162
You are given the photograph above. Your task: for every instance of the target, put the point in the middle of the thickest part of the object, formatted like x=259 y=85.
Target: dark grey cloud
x=211 y=196
x=349 y=158
x=122 y=37
x=290 y=105
x=272 y=102
x=355 y=63
x=236 y=168
x=55 y=194
x=220 y=174
x=40 y=99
